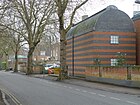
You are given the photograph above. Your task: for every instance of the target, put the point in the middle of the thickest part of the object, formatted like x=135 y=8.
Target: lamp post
x=97 y=63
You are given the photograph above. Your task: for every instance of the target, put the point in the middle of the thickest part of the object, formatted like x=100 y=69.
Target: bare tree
x=66 y=7
x=5 y=49
x=16 y=43
x=34 y=15
x=11 y=42
x=17 y=40
x=11 y=31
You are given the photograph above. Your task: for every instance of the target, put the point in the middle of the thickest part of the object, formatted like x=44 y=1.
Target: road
x=35 y=91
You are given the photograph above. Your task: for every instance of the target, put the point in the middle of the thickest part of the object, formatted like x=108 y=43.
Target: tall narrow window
x=114 y=62
x=114 y=39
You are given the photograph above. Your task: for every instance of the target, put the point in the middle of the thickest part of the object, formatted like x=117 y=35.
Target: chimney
x=137 y=1
x=84 y=17
x=136 y=9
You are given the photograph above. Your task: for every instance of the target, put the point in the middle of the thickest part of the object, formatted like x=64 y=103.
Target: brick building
x=101 y=36
x=136 y=20
x=46 y=51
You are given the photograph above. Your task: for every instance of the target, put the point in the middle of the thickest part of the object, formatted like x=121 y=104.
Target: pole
x=73 y=55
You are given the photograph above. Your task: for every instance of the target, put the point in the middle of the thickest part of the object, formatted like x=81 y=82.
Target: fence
x=114 y=72
x=36 y=69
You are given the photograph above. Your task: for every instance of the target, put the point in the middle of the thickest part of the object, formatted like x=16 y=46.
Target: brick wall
x=137 y=26
x=82 y=51
x=123 y=73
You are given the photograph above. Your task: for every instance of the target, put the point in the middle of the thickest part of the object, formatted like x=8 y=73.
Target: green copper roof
x=22 y=56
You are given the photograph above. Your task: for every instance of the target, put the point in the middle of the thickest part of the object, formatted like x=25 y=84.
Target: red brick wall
x=131 y=37
x=114 y=72
x=137 y=26
x=89 y=46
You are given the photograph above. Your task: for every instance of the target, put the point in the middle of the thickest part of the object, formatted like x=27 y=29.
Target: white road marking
x=70 y=87
x=115 y=98
x=102 y=95
x=92 y=93
x=84 y=91
x=132 y=102
x=65 y=86
x=77 y=89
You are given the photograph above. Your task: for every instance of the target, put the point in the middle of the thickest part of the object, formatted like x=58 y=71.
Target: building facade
x=136 y=20
x=99 y=39
x=46 y=52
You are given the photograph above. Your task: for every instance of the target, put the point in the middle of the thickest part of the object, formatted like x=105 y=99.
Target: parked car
x=46 y=69
x=55 y=68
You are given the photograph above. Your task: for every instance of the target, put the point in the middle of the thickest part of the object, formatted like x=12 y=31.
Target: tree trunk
x=16 y=62
x=63 y=71
x=30 y=60
x=7 y=65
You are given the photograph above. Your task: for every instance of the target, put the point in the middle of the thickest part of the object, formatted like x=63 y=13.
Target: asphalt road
x=34 y=91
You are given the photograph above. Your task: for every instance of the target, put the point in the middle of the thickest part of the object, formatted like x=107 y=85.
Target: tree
x=15 y=44
x=10 y=42
x=34 y=16
x=66 y=7
x=5 y=49
x=10 y=33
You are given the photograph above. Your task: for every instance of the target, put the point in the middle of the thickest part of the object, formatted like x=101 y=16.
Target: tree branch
x=73 y=13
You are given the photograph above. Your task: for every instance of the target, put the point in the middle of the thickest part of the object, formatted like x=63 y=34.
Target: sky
x=128 y=6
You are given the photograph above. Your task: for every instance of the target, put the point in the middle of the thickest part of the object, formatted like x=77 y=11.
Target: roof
x=85 y=26
x=136 y=17
x=22 y=56
x=108 y=19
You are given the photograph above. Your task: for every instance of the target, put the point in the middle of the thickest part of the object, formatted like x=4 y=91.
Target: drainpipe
x=73 y=55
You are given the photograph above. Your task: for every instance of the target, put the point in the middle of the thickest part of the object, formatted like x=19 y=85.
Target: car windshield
x=48 y=65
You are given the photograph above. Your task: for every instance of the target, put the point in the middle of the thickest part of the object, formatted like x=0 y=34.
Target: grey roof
x=84 y=26
x=109 y=19
x=114 y=21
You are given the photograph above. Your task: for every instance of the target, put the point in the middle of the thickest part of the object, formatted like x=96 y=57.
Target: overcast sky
x=125 y=5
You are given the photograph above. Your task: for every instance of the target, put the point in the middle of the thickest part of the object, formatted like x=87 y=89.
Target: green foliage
x=97 y=61
x=121 y=60
x=4 y=65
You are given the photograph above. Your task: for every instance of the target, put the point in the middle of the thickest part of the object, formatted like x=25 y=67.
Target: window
x=42 y=52
x=114 y=62
x=114 y=40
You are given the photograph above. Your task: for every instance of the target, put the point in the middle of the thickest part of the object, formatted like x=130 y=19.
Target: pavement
x=89 y=84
